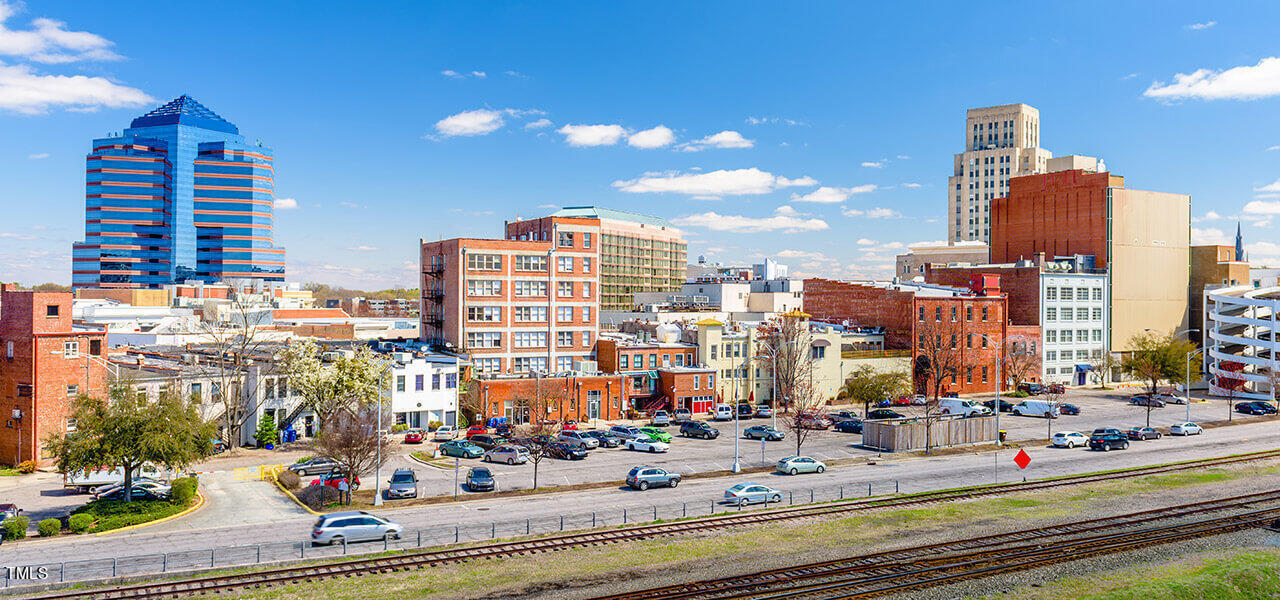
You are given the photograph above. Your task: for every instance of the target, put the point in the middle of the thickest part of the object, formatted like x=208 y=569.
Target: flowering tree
x=342 y=382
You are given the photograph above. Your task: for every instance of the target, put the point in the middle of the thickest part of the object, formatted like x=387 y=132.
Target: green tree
x=267 y=432
x=1154 y=357
x=349 y=380
x=127 y=431
x=867 y=386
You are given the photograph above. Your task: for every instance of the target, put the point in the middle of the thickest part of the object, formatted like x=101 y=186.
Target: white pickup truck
x=85 y=481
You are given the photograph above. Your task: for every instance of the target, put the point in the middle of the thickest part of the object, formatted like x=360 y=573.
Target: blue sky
x=821 y=134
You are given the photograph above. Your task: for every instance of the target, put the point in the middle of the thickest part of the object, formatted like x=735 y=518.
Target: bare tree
x=1020 y=364
x=535 y=401
x=1101 y=368
x=235 y=339
x=785 y=346
x=939 y=360
x=1054 y=398
x=351 y=438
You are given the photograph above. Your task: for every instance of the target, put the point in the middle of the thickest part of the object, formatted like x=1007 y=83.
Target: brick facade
x=862 y=306
x=1059 y=214
x=562 y=397
x=1020 y=284
x=975 y=327
x=693 y=389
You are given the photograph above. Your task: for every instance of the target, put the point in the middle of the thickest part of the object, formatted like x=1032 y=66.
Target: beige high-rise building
x=1000 y=142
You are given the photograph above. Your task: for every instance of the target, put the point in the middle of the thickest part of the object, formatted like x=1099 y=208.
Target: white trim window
x=484 y=262
x=484 y=287
x=529 y=339
x=484 y=314
x=487 y=365
x=484 y=339
x=564 y=339
x=70 y=349
x=564 y=289
x=530 y=288
x=530 y=263
x=564 y=314
x=529 y=314
x=565 y=264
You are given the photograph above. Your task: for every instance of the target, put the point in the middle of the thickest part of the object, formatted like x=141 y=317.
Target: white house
x=424 y=388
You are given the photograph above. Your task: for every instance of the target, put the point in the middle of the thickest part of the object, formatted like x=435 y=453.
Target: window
x=937 y=314
x=479 y=314
x=73 y=390
x=484 y=262
x=282 y=387
x=483 y=287
x=1050 y=336
x=566 y=264
x=435 y=381
x=697 y=381
x=1067 y=314
x=270 y=391
x=530 y=263
x=1097 y=335
x=564 y=339
x=586 y=289
x=529 y=339
x=666 y=360
x=984 y=313
x=536 y=314
x=399 y=383
x=1051 y=314
x=419 y=382
x=713 y=352
x=1051 y=293
x=564 y=314
x=1066 y=335
x=711 y=380
x=984 y=341
x=486 y=339
x=984 y=374
x=564 y=289
x=1051 y=355
x=564 y=363
x=1097 y=314
x=1082 y=354
x=922 y=314
x=953 y=314
x=95 y=347
x=566 y=239
x=622 y=361
x=968 y=375
x=968 y=313
x=586 y=239
x=51 y=310
x=586 y=264
x=653 y=361
x=195 y=390
x=450 y=380
x=1097 y=293
x=1082 y=335
x=586 y=338
x=530 y=288
x=71 y=349
x=817 y=353
x=1082 y=293
x=8 y=349
x=526 y=364
x=586 y=314
x=487 y=365
x=1050 y=371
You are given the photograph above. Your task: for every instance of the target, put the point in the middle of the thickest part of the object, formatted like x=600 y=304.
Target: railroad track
x=423 y=559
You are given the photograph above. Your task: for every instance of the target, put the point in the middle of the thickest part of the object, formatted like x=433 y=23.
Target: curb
x=199 y=504
x=294 y=498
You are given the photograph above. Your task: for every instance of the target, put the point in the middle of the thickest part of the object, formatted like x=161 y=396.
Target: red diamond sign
x=1022 y=459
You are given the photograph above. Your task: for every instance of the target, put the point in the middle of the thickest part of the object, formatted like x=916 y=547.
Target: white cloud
x=1272 y=148
x=1201 y=26
x=832 y=195
x=870 y=213
x=1263 y=253
x=786 y=211
x=592 y=135
x=652 y=138
x=472 y=122
x=350 y=204
x=25 y=91
x=737 y=182
x=549 y=206
x=1209 y=216
x=1262 y=207
x=38 y=156
x=911 y=184
x=816 y=257
x=1239 y=83
x=362 y=249
x=450 y=73
x=774 y=121
x=724 y=139
x=903 y=157
x=878 y=164
x=516 y=74
x=16 y=236
x=741 y=224
x=539 y=124
x=1270 y=187
x=1129 y=76
x=1265 y=223
x=284 y=204
x=50 y=42
x=1207 y=236
x=866 y=242
x=479 y=74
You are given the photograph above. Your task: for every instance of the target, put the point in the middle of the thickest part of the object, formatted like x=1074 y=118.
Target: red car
x=476 y=430
x=569 y=425
x=413 y=436
x=334 y=479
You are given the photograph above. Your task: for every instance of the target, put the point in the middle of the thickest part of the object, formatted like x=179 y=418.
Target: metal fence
x=238 y=556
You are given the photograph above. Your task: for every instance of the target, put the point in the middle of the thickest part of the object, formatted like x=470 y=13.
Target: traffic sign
x=1022 y=459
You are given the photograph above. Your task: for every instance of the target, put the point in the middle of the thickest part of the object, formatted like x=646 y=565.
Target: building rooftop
x=185 y=110
x=596 y=212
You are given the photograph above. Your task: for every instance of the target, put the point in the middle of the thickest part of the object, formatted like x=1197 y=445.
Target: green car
x=461 y=449
x=657 y=434
x=800 y=464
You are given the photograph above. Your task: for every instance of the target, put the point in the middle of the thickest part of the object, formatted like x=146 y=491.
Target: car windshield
x=402 y=478
x=480 y=473
x=739 y=487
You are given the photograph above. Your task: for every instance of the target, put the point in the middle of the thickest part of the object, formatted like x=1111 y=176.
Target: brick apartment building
x=643 y=361
x=692 y=388
x=45 y=363
x=557 y=398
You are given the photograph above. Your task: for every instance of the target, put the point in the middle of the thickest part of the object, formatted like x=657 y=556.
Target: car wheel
x=821 y=468
x=1125 y=446
x=335 y=540
x=630 y=446
x=652 y=449
x=1071 y=445
x=792 y=471
x=1158 y=435
x=775 y=498
x=302 y=472
x=1046 y=415
x=674 y=482
x=644 y=485
x=511 y=461
x=1106 y=447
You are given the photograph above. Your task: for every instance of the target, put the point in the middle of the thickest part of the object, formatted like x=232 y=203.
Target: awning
x=1083 y=368
x=820 y=343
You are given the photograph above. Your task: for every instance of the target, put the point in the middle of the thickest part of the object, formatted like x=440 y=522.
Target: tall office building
x=1000 y=142
x=178 y=195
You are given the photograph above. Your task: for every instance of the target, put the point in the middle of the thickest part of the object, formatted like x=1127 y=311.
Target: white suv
x=574 y=438
x=660 y=418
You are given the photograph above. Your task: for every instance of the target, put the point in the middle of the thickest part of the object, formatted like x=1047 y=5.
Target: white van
x=724 y=412
x=957 y=406
x=1035 y=408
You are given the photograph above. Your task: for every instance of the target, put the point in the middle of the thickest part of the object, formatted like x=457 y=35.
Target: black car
x=606 y=439
x=883 y=413
x=486 y=441
x=1005 y=405
x=1068 y=409
x=746 y=411
x=480 y=479
x=848 y=426
x=139 y=493
x=502 y=429
x=1145 y=400
x=698 y=429
x=1034 y=389
x=1107 y=442
x=1255 y=408
x=316 y=465
x=565 y=451
x=1106 y=430
x=843 y=415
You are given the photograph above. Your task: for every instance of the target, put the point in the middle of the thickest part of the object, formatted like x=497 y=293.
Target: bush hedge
x=49 y=527
x=80 y=523
x=27 y=467
x=289 y=479
x=114 y=514
x=398 y=427
x=317 y=496
x=183 y=490
x=434 y=425
x=15 y=528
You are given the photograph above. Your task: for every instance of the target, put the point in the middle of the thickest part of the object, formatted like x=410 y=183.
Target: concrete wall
x=1150 y=264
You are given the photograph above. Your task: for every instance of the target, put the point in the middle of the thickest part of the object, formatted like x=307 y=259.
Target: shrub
x=49 y=527
x=434 y=425
x=183 y=490
x=80 y=523
x=398 y=427
x=27 y=467
x=114 y=514
x=267 y=432
x=16 y=528
x=289 y=480
x=316 y=496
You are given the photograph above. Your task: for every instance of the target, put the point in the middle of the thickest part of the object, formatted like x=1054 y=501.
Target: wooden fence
x=945 y=430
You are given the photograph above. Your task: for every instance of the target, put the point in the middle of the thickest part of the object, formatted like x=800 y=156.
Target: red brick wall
x=1021 y=284
x=969 y=328
x=1060 y=214
x=567 y=396
x=677 y=386
x=863 y=306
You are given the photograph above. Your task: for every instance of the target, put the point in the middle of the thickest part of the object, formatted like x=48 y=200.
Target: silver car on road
x=353 y=526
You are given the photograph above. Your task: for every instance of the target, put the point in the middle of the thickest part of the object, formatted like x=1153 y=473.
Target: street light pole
x=1187 y=390
x=736 y=466
x=377 y=469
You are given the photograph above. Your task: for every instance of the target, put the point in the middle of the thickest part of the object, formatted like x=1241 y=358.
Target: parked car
x=1107 y=442
x=698 y=429
x=681 y=415
x=461 y=449
x=657 y=434
x=335 y=480
x=443 y=433
x=217 y=446
x=486 y=441
x=750 y=493
x=763 y=432
x=645 y=477
x=764 y=411
x=502 y=429
x=1142 y=433
x=848 y=426
x=476 y=430
x=577 y=438
x=842 y=415
x=883 y=413
x=1005 y=405
x=316 y=465
x=604 y=438
x=1030 y=387
x=745 y=411
x=1255 y=408
x=1168 y=398
x=403 y=484
x=413 y=436
x=1145 y=400
x=1068 y=409
x=146 y=491
x=958 y=406
x=1110 y=430
x=1035 y=408
x=626 y=432
x=1070 y=439
x=507 y=454
x=814 y=421
x=660 y=418
x=565 y=451
x=480 y=479
x=353 y=526
x=1186 y=428
x=792 y=465
x=1055 y=388
x=646 y=444
x=569 y=424
x=723 y=412
x=9 y=511
x=155 y=487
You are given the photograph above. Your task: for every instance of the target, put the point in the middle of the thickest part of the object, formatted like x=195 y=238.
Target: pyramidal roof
x=185 y=110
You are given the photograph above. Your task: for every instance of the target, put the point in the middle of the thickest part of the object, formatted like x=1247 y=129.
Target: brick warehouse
x=576 y=397
x=42 y=369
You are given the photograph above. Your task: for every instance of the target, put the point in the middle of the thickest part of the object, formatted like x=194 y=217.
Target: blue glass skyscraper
x=178 y=196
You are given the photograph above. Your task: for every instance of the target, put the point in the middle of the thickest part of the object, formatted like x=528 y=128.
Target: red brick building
x=863 y=305
x=1059 y=214
x=577 y=397
x=44 y=364
x=1019 y=281
x=640 y=361
x=693 y=388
